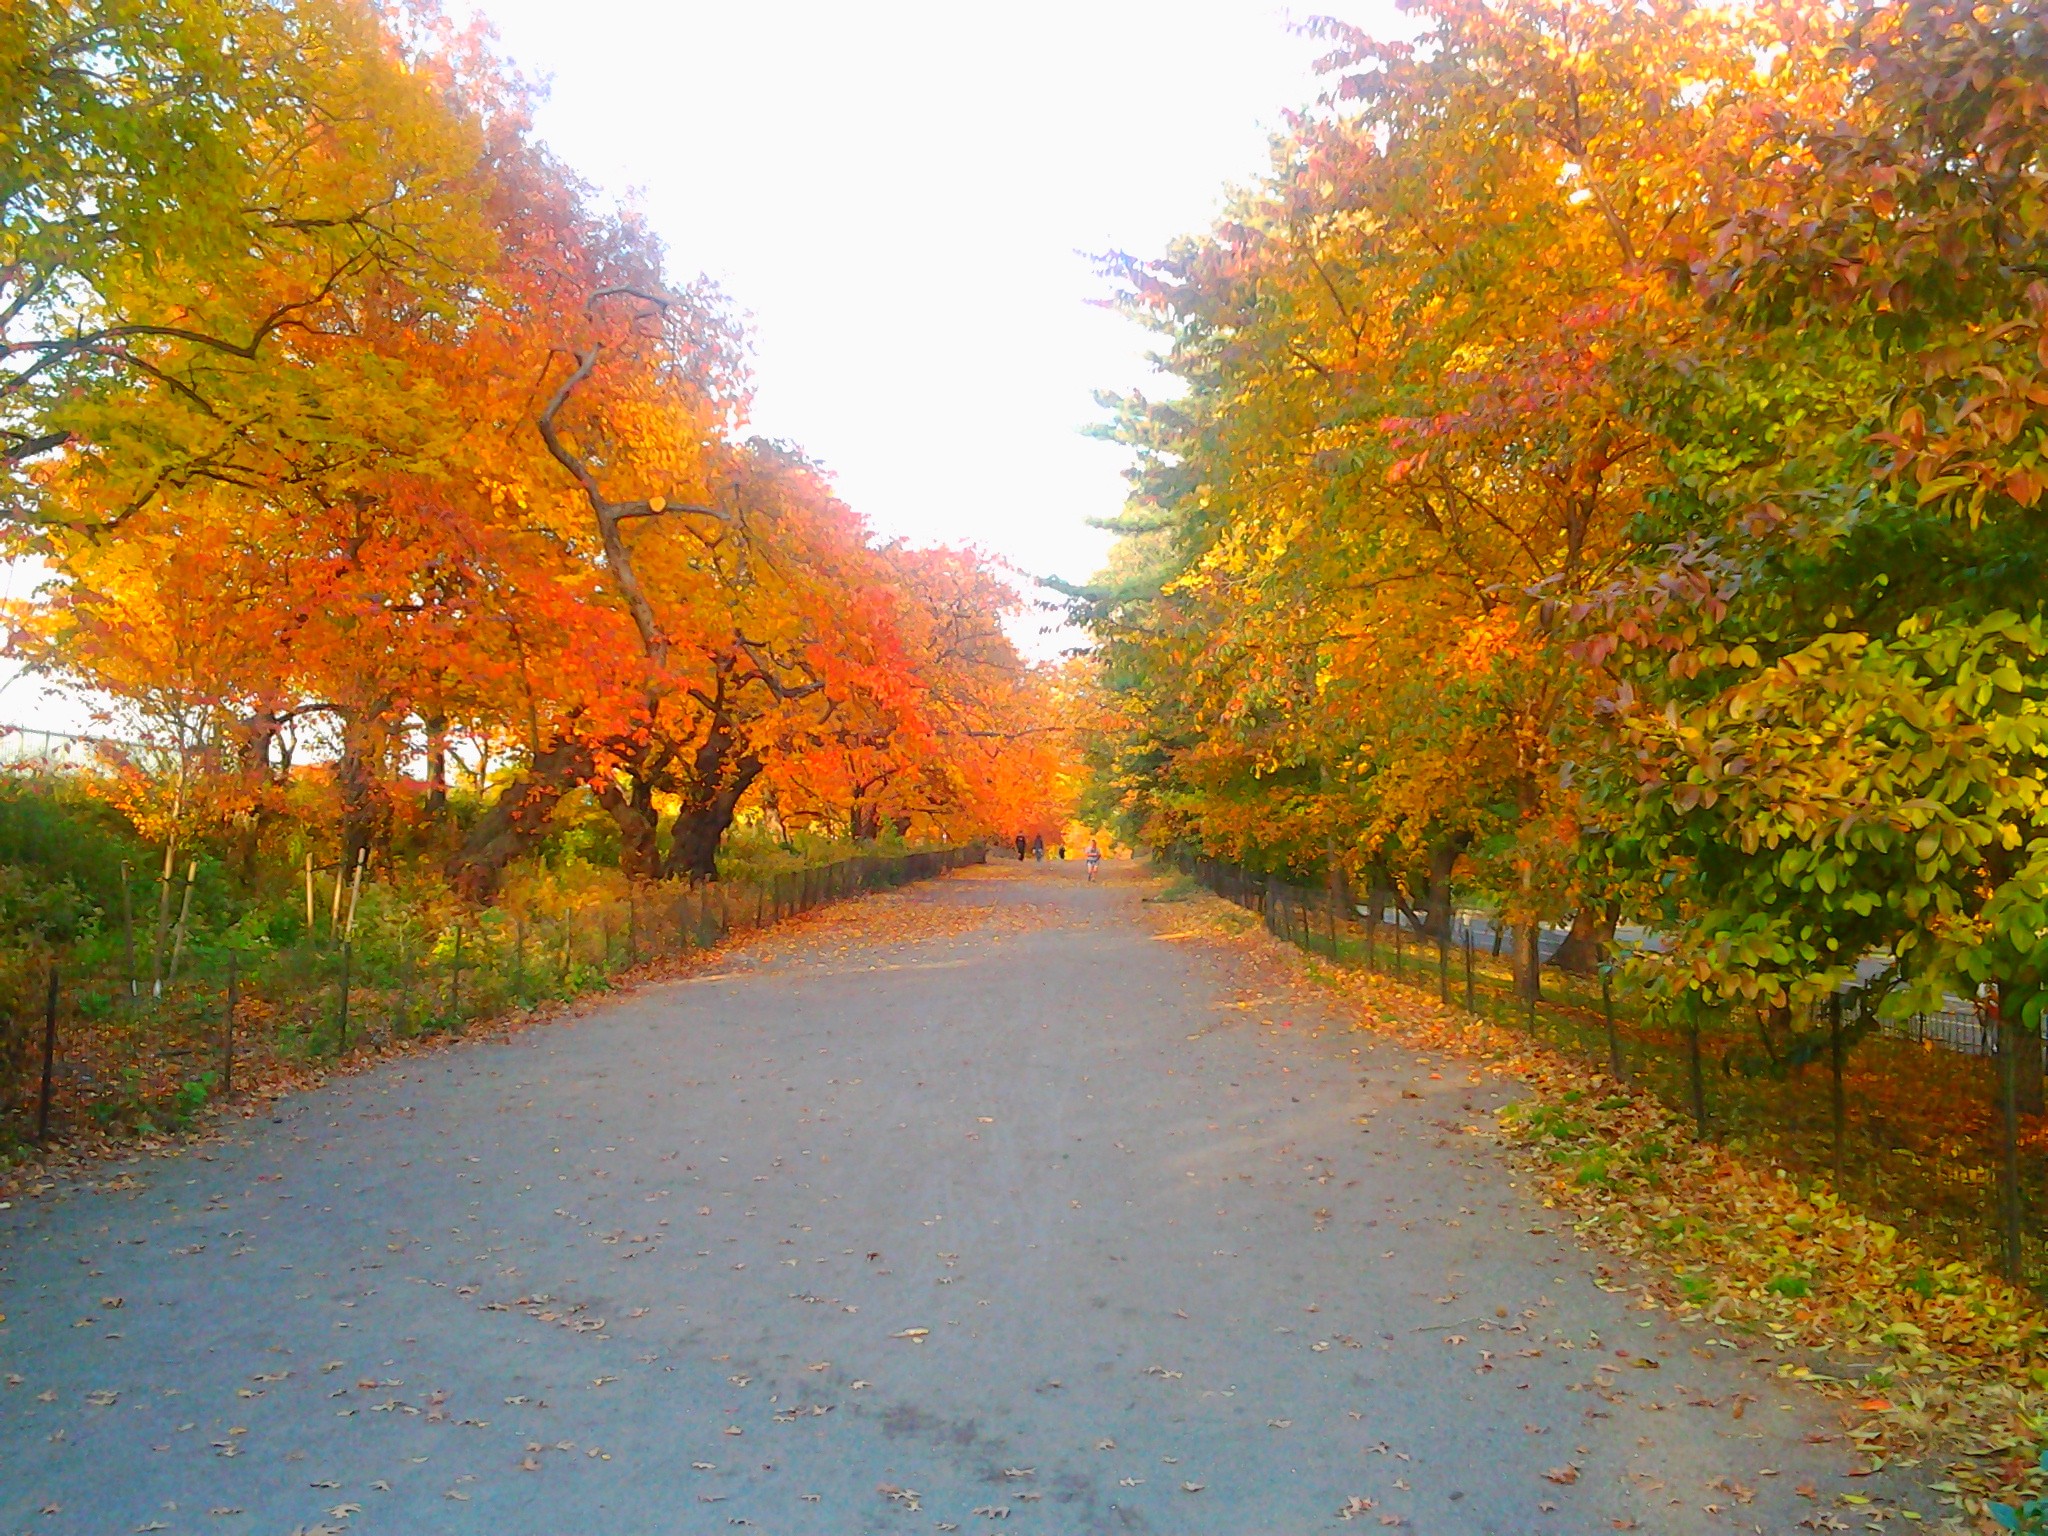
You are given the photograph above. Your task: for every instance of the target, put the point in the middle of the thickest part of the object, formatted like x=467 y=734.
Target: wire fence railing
x=1900 y=1115
x=123 y=1045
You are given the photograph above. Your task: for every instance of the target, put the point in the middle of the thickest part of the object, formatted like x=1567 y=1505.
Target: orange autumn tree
x=944 y=728
x=543 y=521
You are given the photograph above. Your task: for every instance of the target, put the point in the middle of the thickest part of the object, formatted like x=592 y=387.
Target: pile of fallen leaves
x=1935 y=1357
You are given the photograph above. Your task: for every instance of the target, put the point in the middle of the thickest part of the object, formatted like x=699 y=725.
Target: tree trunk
x=721 y=773
x=1443 y=860
x=437 y=764
x=1528 y=942
x=1529 y=960
x=632 y=809
x=517 y=819
x=253 y=768
x=1592 y=931
x=365 y=797
x=701 y=824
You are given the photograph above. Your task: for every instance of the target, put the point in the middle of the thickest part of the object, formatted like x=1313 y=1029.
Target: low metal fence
x=1900 y=1114
x=127 y=1043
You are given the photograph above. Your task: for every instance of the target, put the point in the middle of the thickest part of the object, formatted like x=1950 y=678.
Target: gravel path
x=981 y=1207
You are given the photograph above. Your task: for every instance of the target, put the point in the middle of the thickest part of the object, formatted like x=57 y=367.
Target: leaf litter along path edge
x=989 y=1202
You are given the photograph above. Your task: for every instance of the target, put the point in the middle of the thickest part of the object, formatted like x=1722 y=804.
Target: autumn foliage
x=1608 y=477
x=357 y=437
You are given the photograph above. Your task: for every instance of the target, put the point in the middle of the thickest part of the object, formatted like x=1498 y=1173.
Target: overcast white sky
x=904 y=196
x=900 y=194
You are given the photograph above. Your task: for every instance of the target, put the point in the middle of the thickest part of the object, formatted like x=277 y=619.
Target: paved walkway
x=977 y=1207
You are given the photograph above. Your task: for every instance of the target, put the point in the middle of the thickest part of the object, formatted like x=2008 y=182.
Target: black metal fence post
x=1698 y=1076
x=128 y=938
x=342 y=1049
x=455 y=983
x=1615 y=1064
x=227 y=1044
x=1837 y=1108
x=49 y=1059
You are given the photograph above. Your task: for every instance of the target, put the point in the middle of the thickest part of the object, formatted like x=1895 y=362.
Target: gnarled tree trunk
x=437 y=763
x=517 y=819
x=632 y=808
x=701 y=824
x=721 y=773
x=1591 y=932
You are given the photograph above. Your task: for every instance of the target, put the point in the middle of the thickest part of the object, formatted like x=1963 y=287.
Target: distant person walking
x=1038 y=848
x=1094 y=857
x=1023 y=845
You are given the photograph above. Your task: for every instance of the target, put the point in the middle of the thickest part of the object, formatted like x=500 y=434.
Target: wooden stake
x=184 y=917
x=355 y=894
x=160 y=935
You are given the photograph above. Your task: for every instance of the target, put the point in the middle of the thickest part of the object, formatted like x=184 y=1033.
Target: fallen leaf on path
x=1568 y=1473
